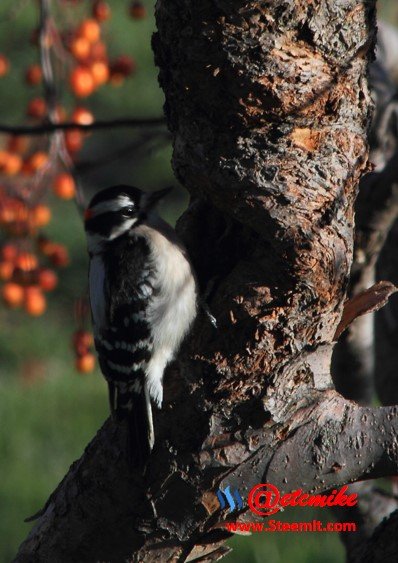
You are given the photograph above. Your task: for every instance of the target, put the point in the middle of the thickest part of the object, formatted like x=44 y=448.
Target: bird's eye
x=128 y=211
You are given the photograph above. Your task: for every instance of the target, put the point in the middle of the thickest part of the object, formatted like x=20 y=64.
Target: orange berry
x=37 y=108
x=137 y=10
x=6 y=270
x=3 y=159
x=26 y=262
x=4 y=65
x=36 y=161
x=13 y=165
x=20 y=210
x=90 y=30
x=101 y=10
x=7 y=212
x=82 y=116
x=82 y=82
x=100 y=72
x=10 y=163
x=34 y=301
x=122 y=66
x=83 y=338
x=81 y=349
x=59 y=255
x=26 y=169
x=98 y=51
x=41 y=215
x=64 y=186
x=9 y=252
x=86 y=363
x=12 y=294
x=80 y=48
x=45 y=245
x=19 y=229
x=74 y=140
x=33 y=75
x=17 y=143
x=48 y=279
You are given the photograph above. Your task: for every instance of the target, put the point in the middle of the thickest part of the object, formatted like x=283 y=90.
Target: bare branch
x=45 y=59
x=96 y=125
x=334 y=443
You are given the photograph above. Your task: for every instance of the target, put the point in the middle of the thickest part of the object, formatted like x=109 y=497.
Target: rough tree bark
x=268 y=105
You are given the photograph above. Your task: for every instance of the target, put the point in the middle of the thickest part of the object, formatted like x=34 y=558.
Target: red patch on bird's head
x=88 y=214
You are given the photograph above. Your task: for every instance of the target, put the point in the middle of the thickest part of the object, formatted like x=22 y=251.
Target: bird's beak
x=152 y=198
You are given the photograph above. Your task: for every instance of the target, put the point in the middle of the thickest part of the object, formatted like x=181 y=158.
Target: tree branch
x=96 y=125
x=45 y=60
x=87 y=501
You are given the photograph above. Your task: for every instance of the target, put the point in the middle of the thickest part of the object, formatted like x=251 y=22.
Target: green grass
x=44 y=428
x=289 y=547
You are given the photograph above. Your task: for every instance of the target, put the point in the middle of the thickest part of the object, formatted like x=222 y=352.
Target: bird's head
x=114 y=211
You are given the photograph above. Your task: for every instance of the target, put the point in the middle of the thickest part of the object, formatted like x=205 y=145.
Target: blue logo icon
x=231 y=499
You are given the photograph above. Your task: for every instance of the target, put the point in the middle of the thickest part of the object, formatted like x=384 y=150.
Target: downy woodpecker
x=143 y=298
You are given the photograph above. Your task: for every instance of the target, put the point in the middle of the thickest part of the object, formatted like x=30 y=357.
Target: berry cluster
x=25 y=280
x=92 y=67
x=31 y=167
x=82 y=344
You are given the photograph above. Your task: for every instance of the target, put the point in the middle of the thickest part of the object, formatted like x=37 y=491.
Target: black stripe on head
x=104 y=223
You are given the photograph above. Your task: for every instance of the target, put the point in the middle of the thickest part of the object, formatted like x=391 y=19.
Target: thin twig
x=45 y=59
x=99 y=124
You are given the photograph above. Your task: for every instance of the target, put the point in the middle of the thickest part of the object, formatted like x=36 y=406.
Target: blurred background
x=48 y=410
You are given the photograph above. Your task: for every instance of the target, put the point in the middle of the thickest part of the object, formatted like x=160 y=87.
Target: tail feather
x=134 y=407
x=149 y=417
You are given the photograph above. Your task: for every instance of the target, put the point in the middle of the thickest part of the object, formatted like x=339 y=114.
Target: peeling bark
x=268 y=104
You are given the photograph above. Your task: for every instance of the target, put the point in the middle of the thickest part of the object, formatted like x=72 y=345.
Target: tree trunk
x=268 y=105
